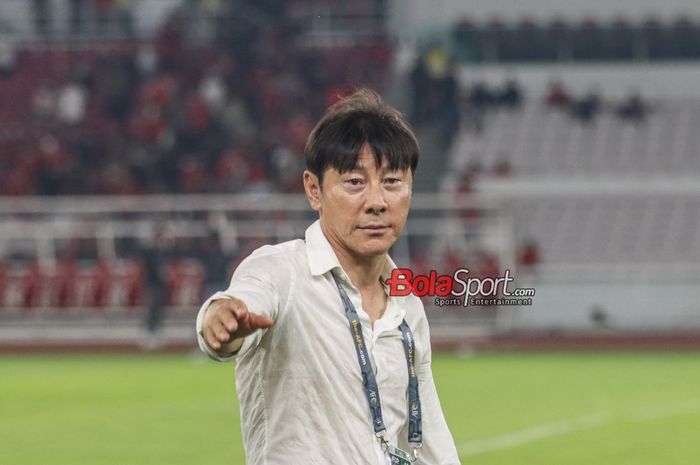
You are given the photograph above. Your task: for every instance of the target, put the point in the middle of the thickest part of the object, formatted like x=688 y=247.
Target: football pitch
x=632 y=408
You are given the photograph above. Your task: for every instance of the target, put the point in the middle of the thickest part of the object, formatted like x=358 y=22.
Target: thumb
x=256 y=321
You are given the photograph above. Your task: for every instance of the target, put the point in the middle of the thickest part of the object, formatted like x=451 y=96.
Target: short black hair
x=359 y=119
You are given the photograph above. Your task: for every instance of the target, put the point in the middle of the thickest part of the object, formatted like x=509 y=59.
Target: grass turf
x=521 y=409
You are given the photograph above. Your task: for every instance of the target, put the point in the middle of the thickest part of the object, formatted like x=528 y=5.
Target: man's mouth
x=374 y=227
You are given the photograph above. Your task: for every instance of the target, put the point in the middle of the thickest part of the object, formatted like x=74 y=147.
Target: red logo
x=402 y=282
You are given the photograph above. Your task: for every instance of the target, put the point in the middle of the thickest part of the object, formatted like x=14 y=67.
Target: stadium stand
x=544 y=144
x=174 y=115
x=616 y=40
x=95 y=109
x=538 y=140
x=222 y=102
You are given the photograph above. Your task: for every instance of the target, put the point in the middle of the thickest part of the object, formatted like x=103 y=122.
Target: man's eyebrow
x=385 y=169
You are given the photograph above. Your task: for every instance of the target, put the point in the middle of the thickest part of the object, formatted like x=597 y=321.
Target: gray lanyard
x=369 y=381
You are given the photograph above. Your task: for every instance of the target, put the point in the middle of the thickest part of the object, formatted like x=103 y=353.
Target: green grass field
x=520 y=409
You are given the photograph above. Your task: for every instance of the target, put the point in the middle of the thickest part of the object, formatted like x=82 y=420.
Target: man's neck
x=364 y=273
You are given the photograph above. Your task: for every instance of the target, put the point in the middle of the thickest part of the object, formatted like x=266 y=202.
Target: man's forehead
x=367 y=163
x=367 y=159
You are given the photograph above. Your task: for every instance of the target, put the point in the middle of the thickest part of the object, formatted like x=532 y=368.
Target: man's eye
x=392 y=180
x=354 y=181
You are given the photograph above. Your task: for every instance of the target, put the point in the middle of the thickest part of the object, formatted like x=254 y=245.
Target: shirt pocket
x=390 y=361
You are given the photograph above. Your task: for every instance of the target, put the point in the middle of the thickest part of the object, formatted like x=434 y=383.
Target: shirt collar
x=322 y=258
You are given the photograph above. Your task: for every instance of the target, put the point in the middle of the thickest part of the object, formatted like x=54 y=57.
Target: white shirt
x=299 y=382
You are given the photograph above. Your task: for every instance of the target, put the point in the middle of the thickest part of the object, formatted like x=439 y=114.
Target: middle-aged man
x=331 y=369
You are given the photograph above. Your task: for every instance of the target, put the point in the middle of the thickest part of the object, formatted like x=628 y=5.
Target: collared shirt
x=299 y=382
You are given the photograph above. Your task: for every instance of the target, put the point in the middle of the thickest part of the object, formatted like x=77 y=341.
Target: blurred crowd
x=481 y=97
x=230 y=114
x=170 y=115
x=439 y=99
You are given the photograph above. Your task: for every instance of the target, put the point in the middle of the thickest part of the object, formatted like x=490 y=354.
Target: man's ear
x=312 y=187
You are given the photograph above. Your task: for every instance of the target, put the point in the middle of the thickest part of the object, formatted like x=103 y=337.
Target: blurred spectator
x=53 y=166
x=511 y=96
x=528 y=255
x=471 y=172
x=216 y=264
x=587 y=107
x=233 y=169
x=475 y=101
x=8 y=57
x=502 y=168
x=116 y=180
x=213 y=91
x=146 y=60
x=237 y=121
x=481 y=96
x=633 y=108
x=600 y=318
x=43 y=102
x=71 y=101
x=465 y=187
x=285 y=162
x=169 y=43
x=557 y=95
x=435 y=92
x=465 y=184
x=117 y=78
x=154 y=258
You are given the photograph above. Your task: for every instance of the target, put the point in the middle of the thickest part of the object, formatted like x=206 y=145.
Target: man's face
x=364 y=210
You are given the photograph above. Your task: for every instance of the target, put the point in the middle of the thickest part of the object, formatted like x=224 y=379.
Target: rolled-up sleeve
x=261 y=282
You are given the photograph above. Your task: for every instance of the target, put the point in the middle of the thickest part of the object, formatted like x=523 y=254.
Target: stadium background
x=558 y=142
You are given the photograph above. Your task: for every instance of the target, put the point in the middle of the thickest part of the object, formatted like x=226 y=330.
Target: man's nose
x=375 y=199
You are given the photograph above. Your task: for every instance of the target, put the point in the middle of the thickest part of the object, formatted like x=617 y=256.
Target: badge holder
x=395 y=456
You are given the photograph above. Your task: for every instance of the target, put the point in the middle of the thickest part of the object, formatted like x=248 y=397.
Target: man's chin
x=374 y=248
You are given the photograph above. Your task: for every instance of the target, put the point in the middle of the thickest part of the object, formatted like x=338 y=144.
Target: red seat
x=185 y=282
x=126 y=284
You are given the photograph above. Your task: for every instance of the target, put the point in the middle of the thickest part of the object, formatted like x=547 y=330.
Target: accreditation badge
x=396 y=456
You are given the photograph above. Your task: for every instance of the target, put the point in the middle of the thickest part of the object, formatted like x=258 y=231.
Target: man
x=330 y=368
x=154 y=257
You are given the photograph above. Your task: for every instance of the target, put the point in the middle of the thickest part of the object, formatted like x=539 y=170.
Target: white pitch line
x=524 y=436
x=653 y=412
x=595 y=420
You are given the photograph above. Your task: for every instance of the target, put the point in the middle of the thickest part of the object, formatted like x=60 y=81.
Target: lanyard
x=369 y=381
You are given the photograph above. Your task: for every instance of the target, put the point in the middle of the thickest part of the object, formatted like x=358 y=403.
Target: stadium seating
x=614 y=40
x=160 y=130
x=170 y=127
x=95 y=285
x=540 y=141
